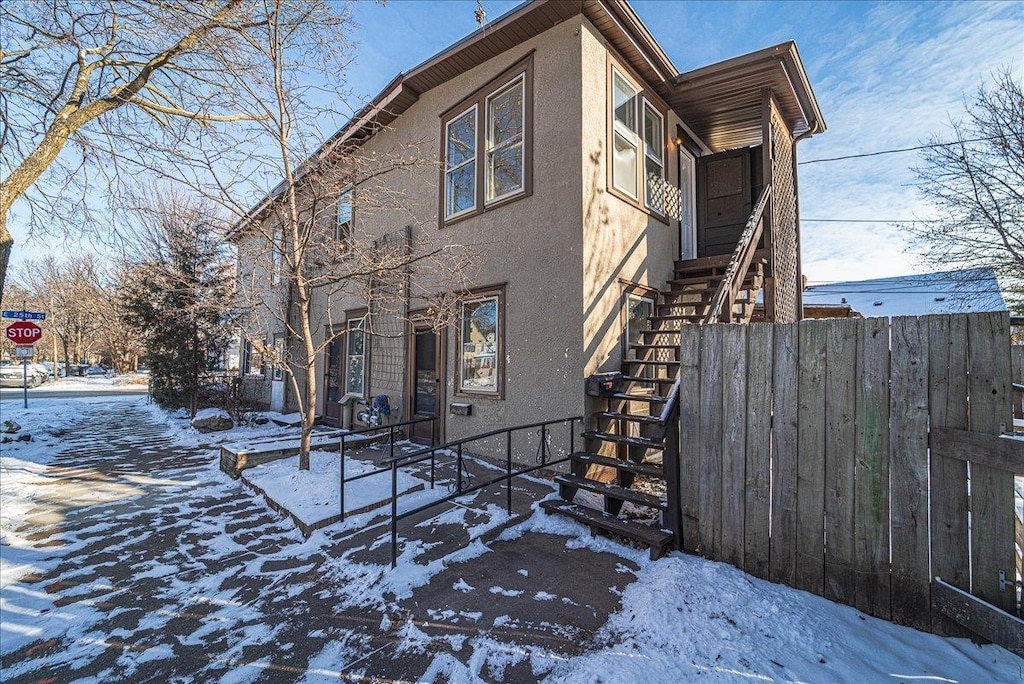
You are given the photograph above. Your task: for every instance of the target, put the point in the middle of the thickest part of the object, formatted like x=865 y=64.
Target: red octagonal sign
x=24 y=332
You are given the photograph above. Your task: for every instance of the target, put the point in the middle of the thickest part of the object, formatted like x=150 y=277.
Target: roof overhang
x=723 y=102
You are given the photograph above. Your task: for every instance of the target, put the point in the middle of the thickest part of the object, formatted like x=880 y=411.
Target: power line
x=897 y=150
x=823 y=220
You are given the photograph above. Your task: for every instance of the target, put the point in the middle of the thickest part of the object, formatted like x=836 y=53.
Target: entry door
x=425 y=396
x=277 y=376
x=723 y=201
x=332 y=382
x=687 y=205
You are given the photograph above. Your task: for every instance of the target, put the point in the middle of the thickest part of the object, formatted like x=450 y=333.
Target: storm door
x=426 y=372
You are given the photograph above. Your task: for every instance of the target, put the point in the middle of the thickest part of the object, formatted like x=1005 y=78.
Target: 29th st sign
x=24 y=332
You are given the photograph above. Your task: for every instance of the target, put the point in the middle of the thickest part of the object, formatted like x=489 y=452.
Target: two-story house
x=607 y=198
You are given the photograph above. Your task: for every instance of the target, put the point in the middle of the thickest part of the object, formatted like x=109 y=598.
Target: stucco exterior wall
x=620 y=242
x=532 y=246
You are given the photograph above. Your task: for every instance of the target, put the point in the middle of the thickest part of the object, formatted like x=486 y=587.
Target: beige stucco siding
x=620 y=241
x=532 y=246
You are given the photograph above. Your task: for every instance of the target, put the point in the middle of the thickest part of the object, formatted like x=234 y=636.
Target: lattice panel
x=664 y=197
x=784 y=230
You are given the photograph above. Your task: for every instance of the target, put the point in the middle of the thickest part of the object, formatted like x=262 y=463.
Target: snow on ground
x=681 y=618
x=314 y=495
x=93 y=384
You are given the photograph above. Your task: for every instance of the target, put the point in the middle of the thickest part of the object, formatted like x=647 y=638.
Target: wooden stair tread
x=653 y=346
x=624 y=439
x=614 y=415
x=637 y=378
x=647 y=362
x=657 y=539
x=612 y=491
x=652 y=470
x=654 y=399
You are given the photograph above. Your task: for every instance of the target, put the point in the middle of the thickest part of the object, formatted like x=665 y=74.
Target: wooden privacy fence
x=804 y=459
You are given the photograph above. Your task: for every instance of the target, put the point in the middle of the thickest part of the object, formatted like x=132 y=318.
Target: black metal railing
x=391 y=450
x=458 y=447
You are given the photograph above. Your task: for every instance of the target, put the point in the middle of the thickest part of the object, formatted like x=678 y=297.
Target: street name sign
x=21 y=352
x=24 y=332
x=25 y=315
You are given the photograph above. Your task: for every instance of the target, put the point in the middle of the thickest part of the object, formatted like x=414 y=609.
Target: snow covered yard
x=128 y=556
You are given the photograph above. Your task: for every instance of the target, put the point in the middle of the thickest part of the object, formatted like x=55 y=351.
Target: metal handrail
x=741 y=259
x=391 y=453
x=429 y=453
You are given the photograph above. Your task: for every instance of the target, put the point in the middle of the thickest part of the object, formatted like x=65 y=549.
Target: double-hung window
x=487 y=146
x=355 y=357
x=638 y=144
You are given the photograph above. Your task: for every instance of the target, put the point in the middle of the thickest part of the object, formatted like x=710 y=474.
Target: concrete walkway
x=160 y=568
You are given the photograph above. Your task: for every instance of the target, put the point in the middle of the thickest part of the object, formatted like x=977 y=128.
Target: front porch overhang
x=723 y=103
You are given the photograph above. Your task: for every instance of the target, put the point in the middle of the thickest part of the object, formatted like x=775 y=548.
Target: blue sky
x=887 y=75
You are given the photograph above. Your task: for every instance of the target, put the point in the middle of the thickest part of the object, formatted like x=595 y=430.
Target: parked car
x=94 y=371
x=13 y=375
x=41 y=369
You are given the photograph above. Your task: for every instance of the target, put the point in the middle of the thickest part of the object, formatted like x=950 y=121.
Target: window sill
x=469 y=394
x=635 y=203
x=493 y=204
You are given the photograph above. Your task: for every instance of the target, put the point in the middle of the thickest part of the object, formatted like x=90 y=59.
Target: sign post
x=24 y=333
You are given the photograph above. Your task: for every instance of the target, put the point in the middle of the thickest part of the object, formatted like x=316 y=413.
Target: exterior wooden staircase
x=632 y=447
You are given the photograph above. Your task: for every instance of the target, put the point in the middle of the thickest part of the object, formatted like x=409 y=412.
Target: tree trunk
x=6 y=246
x=309 y=370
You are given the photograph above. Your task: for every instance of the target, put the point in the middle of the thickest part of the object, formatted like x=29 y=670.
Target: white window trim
x=355 y=324
x=521 y=79
x=475 y=158
x=630 y=137
x=659 y=157
x=498 y=351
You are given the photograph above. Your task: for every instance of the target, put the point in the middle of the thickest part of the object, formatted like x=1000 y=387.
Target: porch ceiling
x=722 y=102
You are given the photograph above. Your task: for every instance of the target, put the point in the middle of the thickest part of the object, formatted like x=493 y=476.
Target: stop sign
x=24 y=332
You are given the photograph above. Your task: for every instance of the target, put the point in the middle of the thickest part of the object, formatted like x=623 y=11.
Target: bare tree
x=977 y=185
x=66 y=291
x=297 y=252
x=87 y=87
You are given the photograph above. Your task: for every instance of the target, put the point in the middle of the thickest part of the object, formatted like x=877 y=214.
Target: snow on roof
x=967 y=291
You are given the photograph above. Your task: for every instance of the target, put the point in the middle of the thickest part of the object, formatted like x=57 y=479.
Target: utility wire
x=870 y=220
x=897 y=150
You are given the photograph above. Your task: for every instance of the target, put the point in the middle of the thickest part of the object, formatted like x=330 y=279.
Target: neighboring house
x=604 y=194
x=946 y=292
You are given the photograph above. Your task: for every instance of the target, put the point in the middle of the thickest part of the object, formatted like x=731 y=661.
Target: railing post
x=508 y=465
x=458 y=474
x=391 y=443
x=342 y=459
x=394 y=514
x=572 y=435
x=673 y=509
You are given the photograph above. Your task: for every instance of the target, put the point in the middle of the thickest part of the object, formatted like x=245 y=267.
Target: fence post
x=394 y=514
x=673 y=510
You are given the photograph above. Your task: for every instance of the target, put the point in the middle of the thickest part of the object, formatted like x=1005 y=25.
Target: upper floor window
x=487 y=145
x=638 y=144
x=343 y=230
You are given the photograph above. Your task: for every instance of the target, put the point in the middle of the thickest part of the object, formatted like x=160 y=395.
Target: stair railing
x=721 y=308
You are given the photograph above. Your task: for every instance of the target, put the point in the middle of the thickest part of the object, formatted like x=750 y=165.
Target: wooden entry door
x=425 y=392
x=332 y=382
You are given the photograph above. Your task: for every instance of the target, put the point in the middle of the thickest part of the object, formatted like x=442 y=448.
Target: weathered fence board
x=810 y=494
x=784 y=442
x=991 y=489
x=841 y=369
x=1006 y=630
x=871 y=454
x=689 y=436
x=834 y=456
x=947 y=406
x=993 y=451
x=908 y=437
x=734 y=417
x=757 y=516
x=711 y=427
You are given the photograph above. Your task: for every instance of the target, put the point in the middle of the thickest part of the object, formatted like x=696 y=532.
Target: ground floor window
x=355 y=357
x=277 y=367
x=480 y=344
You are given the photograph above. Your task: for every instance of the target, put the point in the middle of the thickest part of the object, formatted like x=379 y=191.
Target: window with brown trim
x=636 y=166
x=487 y=146
x=481 y=340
